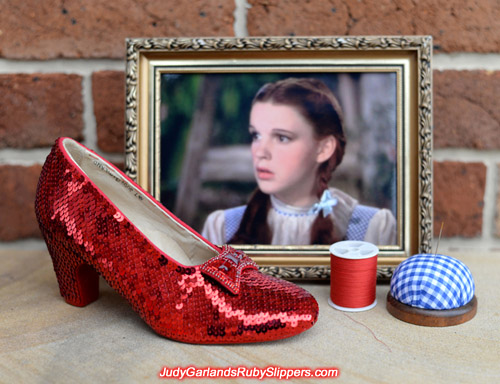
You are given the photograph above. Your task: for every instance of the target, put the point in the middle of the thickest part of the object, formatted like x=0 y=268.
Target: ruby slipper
x=97 y=221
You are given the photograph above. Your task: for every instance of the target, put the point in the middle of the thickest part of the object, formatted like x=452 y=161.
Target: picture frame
x=403 y=63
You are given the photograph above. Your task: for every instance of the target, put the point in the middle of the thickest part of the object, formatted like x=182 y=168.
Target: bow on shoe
x=326 y=204
x=227 y=267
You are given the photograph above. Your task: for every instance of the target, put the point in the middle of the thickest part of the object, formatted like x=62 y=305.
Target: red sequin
x=225 y=300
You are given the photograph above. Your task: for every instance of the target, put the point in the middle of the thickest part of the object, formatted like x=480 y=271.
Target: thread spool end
x=347 y=309
x=353 y=276
x=354 y=250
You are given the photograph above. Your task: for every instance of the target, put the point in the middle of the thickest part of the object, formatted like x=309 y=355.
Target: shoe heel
x=78 y=281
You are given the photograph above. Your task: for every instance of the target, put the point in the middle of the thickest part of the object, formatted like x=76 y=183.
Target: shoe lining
x=161 y=229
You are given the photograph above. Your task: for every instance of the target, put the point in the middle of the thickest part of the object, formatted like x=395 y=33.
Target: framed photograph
x=216 y=132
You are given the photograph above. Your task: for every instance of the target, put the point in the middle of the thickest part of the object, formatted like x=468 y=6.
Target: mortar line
x=89 y=122
x=240 y=18
x=66 y=66
x=441 y=61
x=490 y=201
x=465 y=154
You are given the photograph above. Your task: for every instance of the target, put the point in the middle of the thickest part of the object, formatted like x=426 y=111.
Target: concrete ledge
x=43 y=339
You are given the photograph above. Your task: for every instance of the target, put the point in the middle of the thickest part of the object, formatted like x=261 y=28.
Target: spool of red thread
x=353 y=276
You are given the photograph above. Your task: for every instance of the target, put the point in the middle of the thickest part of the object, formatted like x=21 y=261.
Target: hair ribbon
x=326 y=204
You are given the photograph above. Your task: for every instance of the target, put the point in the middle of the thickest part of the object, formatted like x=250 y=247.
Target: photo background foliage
x=205 y=145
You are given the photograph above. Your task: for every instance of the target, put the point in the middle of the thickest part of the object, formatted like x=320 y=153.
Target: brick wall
x=62 y=73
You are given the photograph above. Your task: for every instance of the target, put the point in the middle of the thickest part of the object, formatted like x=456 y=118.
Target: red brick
x=291 y=17
x=108 y=92
x=459 y=198
x=37 y=108
x=456 y=25
x=17 y=197
x=33 y=29
x=466 y=112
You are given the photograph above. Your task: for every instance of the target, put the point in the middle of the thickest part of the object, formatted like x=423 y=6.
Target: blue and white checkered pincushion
x=432 y=282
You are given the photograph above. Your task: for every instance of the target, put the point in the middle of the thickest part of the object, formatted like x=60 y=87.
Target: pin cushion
x=432 y=290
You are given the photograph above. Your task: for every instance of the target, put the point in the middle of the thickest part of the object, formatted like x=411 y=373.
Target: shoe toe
x=276 y=307
x=266 y=308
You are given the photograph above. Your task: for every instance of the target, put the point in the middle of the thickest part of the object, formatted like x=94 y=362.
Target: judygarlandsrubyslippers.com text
x=242 y=372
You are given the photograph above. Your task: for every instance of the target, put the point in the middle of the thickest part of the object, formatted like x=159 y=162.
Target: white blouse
x=292 y=225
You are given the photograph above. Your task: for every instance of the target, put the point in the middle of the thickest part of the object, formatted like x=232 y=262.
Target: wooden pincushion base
x=431 y=317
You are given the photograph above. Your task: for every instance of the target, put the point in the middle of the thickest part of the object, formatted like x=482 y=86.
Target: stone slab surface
x=43 y=339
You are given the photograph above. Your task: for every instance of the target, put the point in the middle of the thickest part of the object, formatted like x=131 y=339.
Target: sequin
x=224 y=300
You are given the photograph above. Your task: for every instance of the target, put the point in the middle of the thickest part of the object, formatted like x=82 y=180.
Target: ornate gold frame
x=408 y=56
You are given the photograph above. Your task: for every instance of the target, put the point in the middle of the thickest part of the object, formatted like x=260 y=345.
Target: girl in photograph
x=297 y=143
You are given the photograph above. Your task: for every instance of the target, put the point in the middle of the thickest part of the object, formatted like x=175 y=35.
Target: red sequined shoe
x=95 y=220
